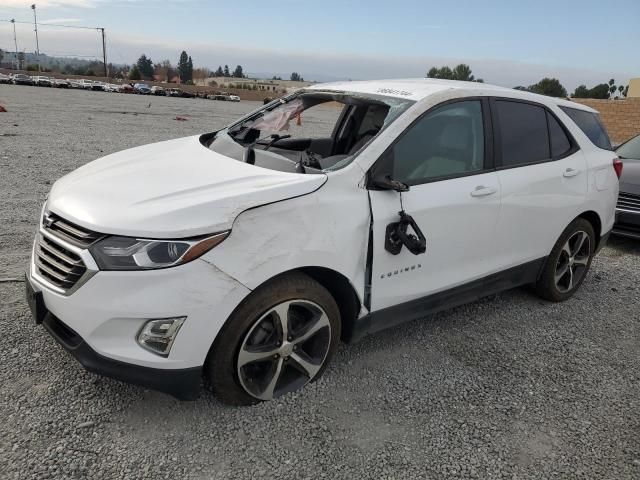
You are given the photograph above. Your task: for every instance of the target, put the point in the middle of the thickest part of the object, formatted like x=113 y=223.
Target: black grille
x=74 y=234
x=629 y=201
x=58 y=265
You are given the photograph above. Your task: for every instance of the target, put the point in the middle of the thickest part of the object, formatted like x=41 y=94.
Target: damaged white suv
x=245 y=255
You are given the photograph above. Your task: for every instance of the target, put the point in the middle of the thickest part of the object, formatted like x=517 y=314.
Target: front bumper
x=99 y=322
x=183 y=384
x=627 y=224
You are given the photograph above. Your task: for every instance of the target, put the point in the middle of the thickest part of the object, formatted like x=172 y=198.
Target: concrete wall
x=634 y=88
x=620 y=117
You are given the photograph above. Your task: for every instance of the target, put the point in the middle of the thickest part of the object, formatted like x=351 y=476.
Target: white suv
x=246 y=254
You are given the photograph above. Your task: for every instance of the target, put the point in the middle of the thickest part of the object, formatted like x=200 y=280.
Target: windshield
x=310 y=131
x=630 y=149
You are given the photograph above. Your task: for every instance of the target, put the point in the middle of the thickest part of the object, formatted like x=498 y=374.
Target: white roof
x=420 y=88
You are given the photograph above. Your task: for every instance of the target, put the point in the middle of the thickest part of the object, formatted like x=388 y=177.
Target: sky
x=507 y=43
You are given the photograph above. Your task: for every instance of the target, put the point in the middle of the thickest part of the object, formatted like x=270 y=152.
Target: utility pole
x=104 y=53
x=35 y=24
x=15 y=41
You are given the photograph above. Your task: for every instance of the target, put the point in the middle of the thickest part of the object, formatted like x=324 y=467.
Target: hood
x=173 y=189
x=630 y=180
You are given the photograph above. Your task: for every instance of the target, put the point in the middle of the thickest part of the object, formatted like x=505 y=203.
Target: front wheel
x=568 y=262
x=278 y=340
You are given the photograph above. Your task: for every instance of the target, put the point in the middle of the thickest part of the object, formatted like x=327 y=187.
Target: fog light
x=158 y=335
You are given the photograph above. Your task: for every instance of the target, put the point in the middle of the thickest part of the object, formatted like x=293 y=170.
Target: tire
x=233 y=370
x=568 y=263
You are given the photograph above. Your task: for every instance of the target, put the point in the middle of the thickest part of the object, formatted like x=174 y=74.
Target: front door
x=454 y=197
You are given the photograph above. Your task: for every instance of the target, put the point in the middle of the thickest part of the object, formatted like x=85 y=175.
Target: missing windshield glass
x=309 y=131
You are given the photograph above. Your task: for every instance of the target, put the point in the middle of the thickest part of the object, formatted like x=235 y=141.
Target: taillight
x=617 y=166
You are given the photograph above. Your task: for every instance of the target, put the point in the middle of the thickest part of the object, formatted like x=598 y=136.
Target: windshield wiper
x=274 y=138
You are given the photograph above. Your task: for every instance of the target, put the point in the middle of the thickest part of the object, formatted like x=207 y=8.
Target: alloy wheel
x=284 y=349
x=572 y=262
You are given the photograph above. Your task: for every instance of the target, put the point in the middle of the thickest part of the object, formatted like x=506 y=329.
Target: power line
x=101 y=30
x=51 y=25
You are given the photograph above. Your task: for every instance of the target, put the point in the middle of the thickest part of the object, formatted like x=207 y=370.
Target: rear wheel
x=278 y=340
x=568 y=263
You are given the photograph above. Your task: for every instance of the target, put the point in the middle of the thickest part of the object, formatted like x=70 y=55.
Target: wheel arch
x=596 y=222
x=342 y=290
x=337 y=284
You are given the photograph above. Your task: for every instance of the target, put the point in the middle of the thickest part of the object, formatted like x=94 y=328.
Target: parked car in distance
x=22 y=79
x=223 y=97
x=156 y=90
x=59 y=83
x=142 y=89
x=177 y=92
x=268 y=245
x=5 y=78
x=74 y=83
x=628 y=207
x=99 y=86
x=86 y=84
x=234 y=98
x=41 y=81
x=112 y=87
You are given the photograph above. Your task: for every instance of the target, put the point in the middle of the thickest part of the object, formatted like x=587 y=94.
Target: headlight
x=127 y=253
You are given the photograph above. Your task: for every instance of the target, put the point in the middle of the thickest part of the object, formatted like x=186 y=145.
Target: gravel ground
x=507 y=387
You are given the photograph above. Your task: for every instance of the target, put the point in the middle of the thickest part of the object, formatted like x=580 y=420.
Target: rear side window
x=523 y=133
x=560 y=143
x=590 y=124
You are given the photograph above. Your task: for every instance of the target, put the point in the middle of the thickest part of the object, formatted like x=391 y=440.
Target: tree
x=612 y=87
x=581 y=92
x=1 y=55
x=550 y=87
x=237 y=73
x=463 y=72
x=600 y=91
x=444 y=73
x=460 y=72
x=134 y=73
x=200 y=75
x=145 y=66
x=433 y=72
x=219 y=72
x=185 y=67
x=162 y=70
x=626 y=91
x=226 y=71
x=296 y=77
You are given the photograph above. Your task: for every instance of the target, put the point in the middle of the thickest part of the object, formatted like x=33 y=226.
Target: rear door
x=543 y=177
x=446 y=158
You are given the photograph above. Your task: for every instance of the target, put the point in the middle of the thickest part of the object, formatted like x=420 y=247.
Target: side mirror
x=385 y=182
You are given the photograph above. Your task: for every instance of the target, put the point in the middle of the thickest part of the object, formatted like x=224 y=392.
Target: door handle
x=570 y=172
x=482 y=191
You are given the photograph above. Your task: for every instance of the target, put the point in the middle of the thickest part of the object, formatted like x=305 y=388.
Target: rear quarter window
x=591 y=126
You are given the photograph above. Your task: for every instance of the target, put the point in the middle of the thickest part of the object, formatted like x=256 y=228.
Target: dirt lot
x=508 y=387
